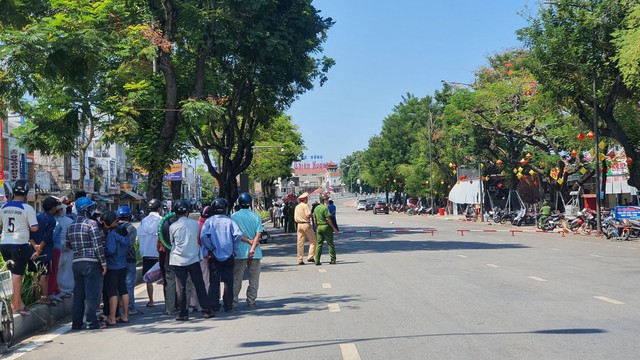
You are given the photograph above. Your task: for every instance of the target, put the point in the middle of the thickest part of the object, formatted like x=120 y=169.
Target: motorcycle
x=524 y=217
x=628 y=229
x=552 y=221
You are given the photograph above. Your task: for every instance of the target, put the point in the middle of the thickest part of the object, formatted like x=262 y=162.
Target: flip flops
x=122 y=321
x=151 y=304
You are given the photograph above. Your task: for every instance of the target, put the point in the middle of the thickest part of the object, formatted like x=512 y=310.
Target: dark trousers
x=195 y=273
x=87 y=276
x=221 y=271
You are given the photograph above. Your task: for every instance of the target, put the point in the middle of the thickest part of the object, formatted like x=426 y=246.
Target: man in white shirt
x=185 y=258
x=148 y=241
x=18 y=221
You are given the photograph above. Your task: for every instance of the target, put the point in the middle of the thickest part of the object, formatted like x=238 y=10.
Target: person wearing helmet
x=148 y=241
x=302 y=217
x=185 y=258
x=18 y=221
x=124 y=219
x=249 y=252
x=86 y=240
x=326 y=229
x=221 y=237
x=116 y=249
x=43 y=254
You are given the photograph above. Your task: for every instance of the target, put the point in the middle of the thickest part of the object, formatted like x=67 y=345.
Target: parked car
x=381 y=207
x=362 y=205
x=370 y=205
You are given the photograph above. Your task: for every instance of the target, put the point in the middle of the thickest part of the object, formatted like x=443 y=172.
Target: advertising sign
x=175 y=173
x=626 y=212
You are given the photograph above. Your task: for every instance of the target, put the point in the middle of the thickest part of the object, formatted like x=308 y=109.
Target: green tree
x=574 y=42
x=626 y=40
x=276 y=148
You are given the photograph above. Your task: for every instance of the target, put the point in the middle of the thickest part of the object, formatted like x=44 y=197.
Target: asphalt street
x=402 y=295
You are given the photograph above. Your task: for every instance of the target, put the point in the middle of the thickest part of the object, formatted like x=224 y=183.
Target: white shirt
x=148 y=235
x=17 y=219
x=185 y=249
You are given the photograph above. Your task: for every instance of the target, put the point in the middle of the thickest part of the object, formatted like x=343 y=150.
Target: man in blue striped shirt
x=86 y=241
x=221 y=237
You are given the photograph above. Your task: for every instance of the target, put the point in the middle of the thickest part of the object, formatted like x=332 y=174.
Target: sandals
x=151 y=304
x=122 y=321
x=44 y=301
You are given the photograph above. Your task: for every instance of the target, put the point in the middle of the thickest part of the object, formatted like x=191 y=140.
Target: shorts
x=147 y=264
x=20 y=254
x=115 y=282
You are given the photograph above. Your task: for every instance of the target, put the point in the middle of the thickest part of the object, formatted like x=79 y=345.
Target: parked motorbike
x=552 y=221
x=629 y=228
x=524 y=217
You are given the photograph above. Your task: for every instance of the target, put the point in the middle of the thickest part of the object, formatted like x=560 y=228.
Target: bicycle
x=6 y=314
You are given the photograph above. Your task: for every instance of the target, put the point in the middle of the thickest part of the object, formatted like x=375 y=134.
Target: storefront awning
x=98 y=197
x=465 y=192
x=132 y=195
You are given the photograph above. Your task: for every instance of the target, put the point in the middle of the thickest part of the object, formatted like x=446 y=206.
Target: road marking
x=326 y=285
x=609 y=300
x=33 y=343
x=597 y=256
x=334 y=308
x=537 y=278
x=349 y=352
x=493 y=265
x=322 y=270
x=554 y=249
x=462 y=256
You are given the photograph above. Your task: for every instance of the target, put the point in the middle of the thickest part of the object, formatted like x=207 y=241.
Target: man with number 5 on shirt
x=18 y=221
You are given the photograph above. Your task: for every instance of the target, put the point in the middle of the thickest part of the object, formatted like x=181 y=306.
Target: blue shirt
x=115 y=249
x=46 y=226
x=60 y=232
x=221 y=235
x=332 y=209
x=250 y=224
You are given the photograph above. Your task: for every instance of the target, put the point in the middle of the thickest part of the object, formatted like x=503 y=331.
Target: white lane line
x=609 y=300
x=326 y=285
x=334 y=308
x=554 y=249
x=349 y=352
x=462 y=256
x=34 y=342
x=322 y=270
x=594 y=255
x=493 y=265
x=537 y=278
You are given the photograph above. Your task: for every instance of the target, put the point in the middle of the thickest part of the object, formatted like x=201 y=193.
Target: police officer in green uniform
x=325 y=229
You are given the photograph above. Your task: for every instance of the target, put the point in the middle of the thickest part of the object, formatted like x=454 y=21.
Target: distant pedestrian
x=332 y=211
x=221 y=236
x=89 y=265
x=277 y=214
x=43 y=255
x=326 y=229
x=302 y=218
x=55 y=292
x=19 y=222
x=185 y=258
x=249 y=252
x=148 y=241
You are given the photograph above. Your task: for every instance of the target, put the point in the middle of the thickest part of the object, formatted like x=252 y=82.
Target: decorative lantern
x=515 y=171
x=520 y=169
x=441 y=182
x=454 y=172
x=591 y=135
x=531 y=172
x=583 y=171
x=523 y=162
x=602 y=145
x=528 y=156
x=508 y=64
x=499 y=162
x=519 y=175
x=629 y=161
x=601 y=157
x=574 y=153
x=581 y=136
x=560 y=181
x=453 y=165
x=500 y=185
x=449 y=186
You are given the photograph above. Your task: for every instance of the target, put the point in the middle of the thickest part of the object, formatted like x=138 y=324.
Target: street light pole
x=430 y=160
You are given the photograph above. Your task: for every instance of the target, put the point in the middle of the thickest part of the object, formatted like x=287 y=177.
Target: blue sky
x=386 y=49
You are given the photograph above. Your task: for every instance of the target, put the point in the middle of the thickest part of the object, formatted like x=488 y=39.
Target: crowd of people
x=76 y=250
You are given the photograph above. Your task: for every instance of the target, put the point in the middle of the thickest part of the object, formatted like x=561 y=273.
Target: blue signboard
x=626 y=212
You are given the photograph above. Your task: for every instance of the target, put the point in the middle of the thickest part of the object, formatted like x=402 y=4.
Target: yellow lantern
x=560 y=181
x=531 y=172
x=515 y=171
x=602 y=145
x=583 y=171
x=519 y=175
x=520 y=169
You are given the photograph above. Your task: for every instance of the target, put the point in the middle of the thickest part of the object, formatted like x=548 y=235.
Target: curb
x=43 y=317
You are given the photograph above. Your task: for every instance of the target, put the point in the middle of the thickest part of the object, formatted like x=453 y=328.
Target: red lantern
x=612 y=155
x=528 y=156
x=453 y=165
x=580 y=137
x=629 y=161
x=508 y=64
x=574 y=153
x=535 y=183
x=500 y=185
x=591 y=135
x=449 y=186
x=499 y=162
x=523 y=162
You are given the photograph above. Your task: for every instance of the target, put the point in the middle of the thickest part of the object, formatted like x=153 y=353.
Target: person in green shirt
x=325 y=229
x=545 y=212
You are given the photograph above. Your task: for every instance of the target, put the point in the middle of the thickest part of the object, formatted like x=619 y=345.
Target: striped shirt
x=86 y=240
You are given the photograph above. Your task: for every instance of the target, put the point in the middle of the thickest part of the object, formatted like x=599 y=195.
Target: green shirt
x=321 y=213
x=545 y=210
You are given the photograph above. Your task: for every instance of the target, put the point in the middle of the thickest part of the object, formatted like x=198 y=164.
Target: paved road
x=406 y=296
